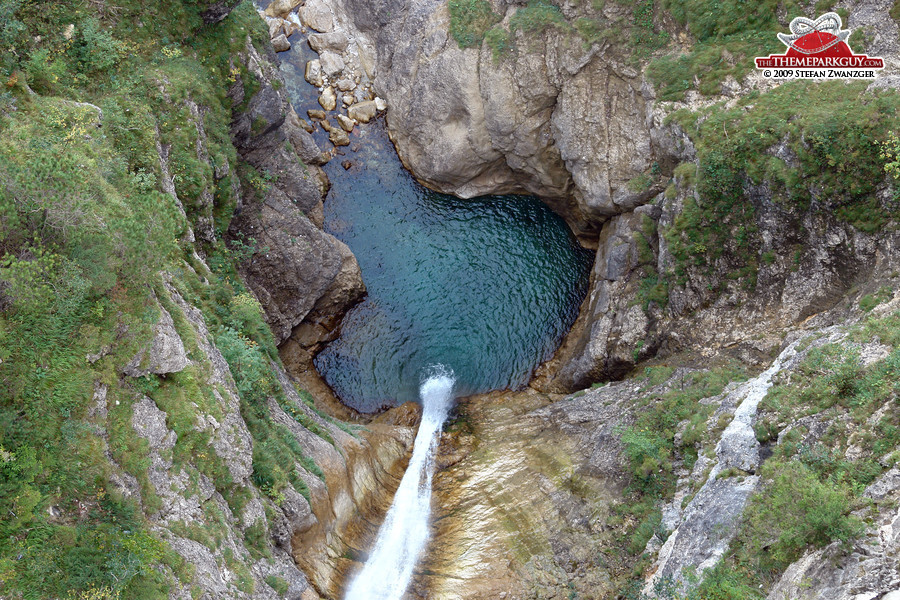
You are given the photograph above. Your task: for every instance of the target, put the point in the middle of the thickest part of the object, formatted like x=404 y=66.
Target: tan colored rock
x=367 y=60
x=328 y=99
x=69 y=32
x=346 y=123
x=281 y=8
x=474 y=553
x=405 y=415
x=345 y=85
x=313 y=73
x=380 y=104
x=339 y=137
x=290 y=28
x=281 y=44
x=332 y=63
x=335 y=41
x=316 y=115
x=316 y=14
x=347 y=99
x=276 y=27
x=363 y=111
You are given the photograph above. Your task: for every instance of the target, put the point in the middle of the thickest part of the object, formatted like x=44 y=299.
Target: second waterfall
x=403 y=534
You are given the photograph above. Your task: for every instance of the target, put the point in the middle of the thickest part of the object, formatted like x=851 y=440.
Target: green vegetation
x=795 y=510
x=537 y=16
x=278 y=584
x=652 y=288
x=87 y=93
x=834 y=129
x=649 y=442
x=500 y=42
x=870 y=301
x=469 y=20
x=728 y=34
x=810 y=489
x=649 y=445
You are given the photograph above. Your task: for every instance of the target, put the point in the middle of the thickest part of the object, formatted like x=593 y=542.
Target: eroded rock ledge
x=580 y=127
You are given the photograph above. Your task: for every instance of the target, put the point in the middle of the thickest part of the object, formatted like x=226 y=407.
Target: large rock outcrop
x=578 y=124
x=569 y=124
x=304 y=277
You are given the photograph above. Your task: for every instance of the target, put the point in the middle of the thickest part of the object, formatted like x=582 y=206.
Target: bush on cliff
x=469 y=20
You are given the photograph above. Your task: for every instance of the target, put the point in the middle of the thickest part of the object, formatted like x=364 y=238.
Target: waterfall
x=403 y=534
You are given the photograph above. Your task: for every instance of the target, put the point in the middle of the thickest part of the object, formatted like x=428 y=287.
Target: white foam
x=403 y=534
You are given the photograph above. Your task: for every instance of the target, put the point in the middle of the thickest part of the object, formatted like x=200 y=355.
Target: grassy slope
x=85 y=232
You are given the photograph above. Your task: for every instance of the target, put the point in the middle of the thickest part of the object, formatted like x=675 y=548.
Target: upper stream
x=487 y=286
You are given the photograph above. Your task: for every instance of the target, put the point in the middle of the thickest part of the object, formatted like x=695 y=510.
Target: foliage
x=728 y=35
x=536 y=16
x=85 y=230
x=644 y=38
x=499 y=41
x=725 y=583
x=870 y=301
x=649 y=442
x=793 y=512
x=257 y=538
x=278 y=584
x=649 y=445
x=890 y=153
x=835 y=131
x=469 y=20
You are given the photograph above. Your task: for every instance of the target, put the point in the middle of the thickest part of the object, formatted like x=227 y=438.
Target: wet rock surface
x=303 y=276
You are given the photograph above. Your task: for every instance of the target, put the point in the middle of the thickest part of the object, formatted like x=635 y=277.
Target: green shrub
x=723 y=583
x=94 y=49
x=639 y=184
x=870 y=301
x=641 y=534
x=278 y=584
x=257 y=538
x=648 y=454
x=653 y=290
x=537 y=16
x=469 y=20
x=794 y=512
x=499 y=41
x=837 y=134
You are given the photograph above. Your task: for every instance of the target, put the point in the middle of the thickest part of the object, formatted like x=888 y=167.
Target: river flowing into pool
x=484 y=287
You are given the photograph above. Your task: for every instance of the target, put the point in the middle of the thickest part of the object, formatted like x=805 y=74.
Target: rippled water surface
x=487 y=286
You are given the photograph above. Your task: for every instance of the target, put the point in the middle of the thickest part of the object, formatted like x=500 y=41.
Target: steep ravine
x=166 y=282
x=530 y=502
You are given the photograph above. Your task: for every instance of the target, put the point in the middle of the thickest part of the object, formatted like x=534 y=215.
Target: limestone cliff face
x=359 y=469
x=579 y=126
x=532 y=486
x=569 y=124
x=296 y=539
x=305 y=278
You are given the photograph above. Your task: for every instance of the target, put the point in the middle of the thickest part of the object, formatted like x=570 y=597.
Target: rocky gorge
x=579 y=125
x=741 y=317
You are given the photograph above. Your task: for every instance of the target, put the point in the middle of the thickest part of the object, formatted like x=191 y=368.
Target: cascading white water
x=404 y=532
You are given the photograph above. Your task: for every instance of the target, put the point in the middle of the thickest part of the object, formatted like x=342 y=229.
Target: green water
x=487 y=287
